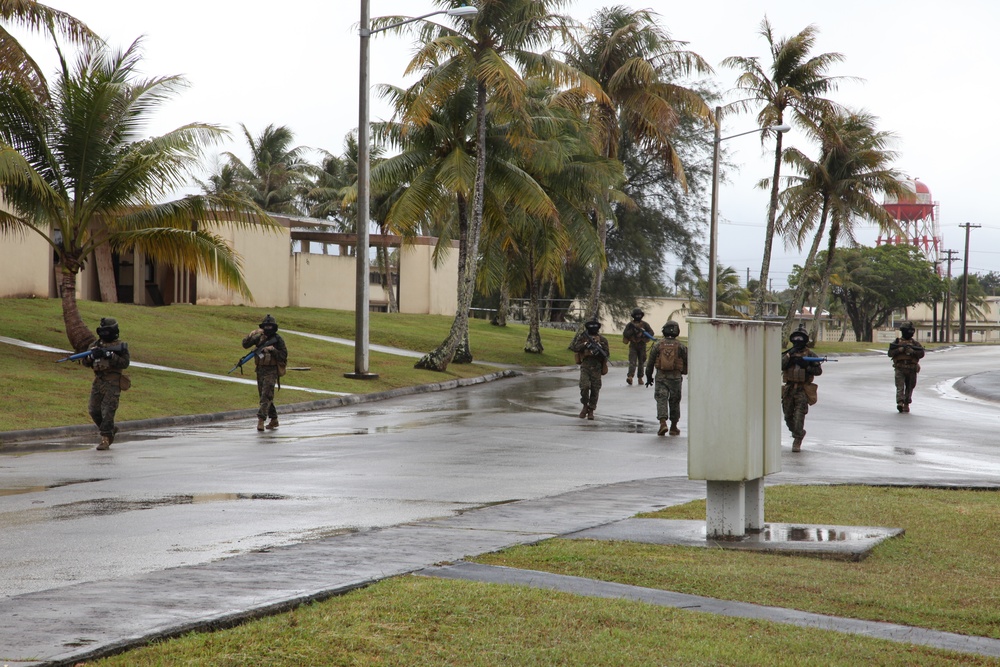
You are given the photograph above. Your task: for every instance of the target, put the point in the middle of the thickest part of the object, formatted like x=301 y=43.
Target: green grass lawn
x=207 y=339
x=941 y=574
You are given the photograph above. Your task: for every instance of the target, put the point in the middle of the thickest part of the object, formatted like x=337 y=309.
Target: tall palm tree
x=496 y=49
x=525 y=251
x=79 y=172
x=277 y=173
x=729 y=294
x=629 y=68
x=794 y=81
x=842 y=187
x=16 y=63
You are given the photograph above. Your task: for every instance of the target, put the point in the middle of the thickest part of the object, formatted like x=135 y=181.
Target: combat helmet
x=905 y=324
x=671 y=329
x=799 y=336
x=108 y=330
x=269 y=324
x=637 y=313
x=592 y=326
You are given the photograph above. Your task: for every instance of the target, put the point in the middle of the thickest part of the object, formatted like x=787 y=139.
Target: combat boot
x=663 y=427
x=797 y=444
x=260 y=424
x=590 y=414
x=900 y=407
x=273 y=423
x=583 y=412
x=105 y=443
x=673 y=429
x=628 y=379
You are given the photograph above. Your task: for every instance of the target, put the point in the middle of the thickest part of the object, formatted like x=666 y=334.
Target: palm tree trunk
x=439 y=359
x=80 y=337
x=504 y=308
x=821 y=297
x=533 y=344
x=550 y=296
x=594 y=300
x=772 y=211
x=799 y=299
x=385 y=267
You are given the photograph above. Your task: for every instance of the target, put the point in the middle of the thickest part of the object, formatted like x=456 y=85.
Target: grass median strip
x=941 y=575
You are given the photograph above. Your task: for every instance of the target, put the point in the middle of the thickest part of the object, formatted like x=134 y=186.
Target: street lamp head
x=463 y=12
x=781 y=128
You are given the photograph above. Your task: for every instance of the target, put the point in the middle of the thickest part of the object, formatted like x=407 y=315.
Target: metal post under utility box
x=734 y=418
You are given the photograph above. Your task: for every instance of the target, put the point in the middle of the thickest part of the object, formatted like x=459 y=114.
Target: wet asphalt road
x=191 y=495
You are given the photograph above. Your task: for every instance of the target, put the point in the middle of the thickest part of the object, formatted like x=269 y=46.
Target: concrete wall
x=25 y=266
x=424 y=288
x=657 y=311
x=325 y=281
x=266 y=257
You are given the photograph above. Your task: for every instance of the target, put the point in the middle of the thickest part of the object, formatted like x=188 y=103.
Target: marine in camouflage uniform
x=905 y=354
x=635 y=336
x=270 y=362
x=797 y=375
x=593 y=365
x=108 y=358
x=668 y=381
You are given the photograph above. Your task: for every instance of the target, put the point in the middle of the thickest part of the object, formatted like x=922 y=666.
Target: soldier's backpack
x=669 y=358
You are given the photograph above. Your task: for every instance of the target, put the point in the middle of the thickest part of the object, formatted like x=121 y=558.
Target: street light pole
x=361 y=301
x=713 y=232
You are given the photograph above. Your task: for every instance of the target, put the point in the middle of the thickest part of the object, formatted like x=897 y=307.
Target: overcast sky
x=928 y=70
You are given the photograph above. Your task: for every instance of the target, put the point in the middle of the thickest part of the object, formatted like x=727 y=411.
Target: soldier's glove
x=649 y=381
x=108 y=354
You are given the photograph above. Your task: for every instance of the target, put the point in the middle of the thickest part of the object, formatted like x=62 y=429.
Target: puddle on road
x=36 y=489
x=111 y=506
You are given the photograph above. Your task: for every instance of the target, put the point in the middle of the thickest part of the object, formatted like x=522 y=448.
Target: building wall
x=656 y=311
x=25 y=266
x=266 y=257
x=324 y=281
x=424 y=288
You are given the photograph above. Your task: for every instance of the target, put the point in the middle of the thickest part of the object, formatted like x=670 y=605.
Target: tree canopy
x=871 y=283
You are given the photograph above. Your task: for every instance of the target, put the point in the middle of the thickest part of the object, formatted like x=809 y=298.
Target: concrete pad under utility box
x=852 y=543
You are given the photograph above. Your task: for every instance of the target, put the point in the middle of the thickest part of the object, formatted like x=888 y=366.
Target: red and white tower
x=917 y=217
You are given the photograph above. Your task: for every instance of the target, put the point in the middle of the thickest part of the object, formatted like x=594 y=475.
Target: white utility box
x=734 y=418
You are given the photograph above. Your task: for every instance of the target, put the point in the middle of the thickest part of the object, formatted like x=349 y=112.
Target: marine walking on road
x=637 y=335
x=670 y=359
x=906 y=354
x=270 y=357
x=108 y=357
x=592 y=353
x=798 y=368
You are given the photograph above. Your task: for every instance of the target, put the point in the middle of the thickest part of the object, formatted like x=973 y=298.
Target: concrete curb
x=8 y=438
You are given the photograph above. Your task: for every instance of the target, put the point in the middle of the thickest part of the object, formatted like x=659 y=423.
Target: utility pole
x=946 y=320
x=934 y=321
x=965 y=281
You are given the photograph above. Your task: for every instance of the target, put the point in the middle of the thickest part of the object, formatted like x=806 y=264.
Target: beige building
x=295 y=264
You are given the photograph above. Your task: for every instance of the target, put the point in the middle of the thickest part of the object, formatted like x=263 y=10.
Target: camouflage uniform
x=905 y=354
x=591 y=370
x=794 y=400
x=667 y=392
x=106 y=391
x=633 y=335
x=268 y=365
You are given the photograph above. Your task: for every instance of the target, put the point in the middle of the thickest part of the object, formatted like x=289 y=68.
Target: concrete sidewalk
x=61 y=627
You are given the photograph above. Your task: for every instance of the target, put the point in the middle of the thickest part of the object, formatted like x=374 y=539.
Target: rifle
x=251 y=355
x=642 y=331
x=594 y=346
x=105 y=352
x=818 y=360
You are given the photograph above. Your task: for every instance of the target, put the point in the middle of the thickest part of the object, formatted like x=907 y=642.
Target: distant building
x=297 y=264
